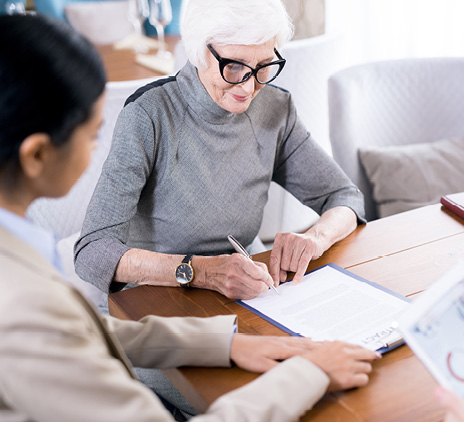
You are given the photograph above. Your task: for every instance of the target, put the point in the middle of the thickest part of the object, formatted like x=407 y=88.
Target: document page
x=333 y=304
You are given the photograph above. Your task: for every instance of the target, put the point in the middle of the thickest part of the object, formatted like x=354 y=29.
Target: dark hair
x=50 y=77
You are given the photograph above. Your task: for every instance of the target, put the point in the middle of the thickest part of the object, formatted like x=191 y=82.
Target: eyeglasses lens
x=236 y=73
x=267 y=73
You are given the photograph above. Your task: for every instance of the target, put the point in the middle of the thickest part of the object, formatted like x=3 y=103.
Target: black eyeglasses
x=235 y=72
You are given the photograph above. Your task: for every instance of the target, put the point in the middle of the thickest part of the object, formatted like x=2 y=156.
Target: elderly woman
x=193 y=157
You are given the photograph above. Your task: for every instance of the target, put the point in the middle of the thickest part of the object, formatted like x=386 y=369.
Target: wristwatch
x=184 y=271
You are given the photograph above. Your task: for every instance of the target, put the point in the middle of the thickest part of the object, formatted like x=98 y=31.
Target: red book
x=454 y=202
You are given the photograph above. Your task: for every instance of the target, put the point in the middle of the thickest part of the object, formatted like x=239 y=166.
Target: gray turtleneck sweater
x=183 y=173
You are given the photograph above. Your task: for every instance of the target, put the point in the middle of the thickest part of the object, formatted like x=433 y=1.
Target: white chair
x=393 y=103
x=65 y=216
x=310 y=62
x=102 y=22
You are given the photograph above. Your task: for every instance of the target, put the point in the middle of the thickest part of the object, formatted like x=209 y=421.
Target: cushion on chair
x=390 y=103
x=409 y=176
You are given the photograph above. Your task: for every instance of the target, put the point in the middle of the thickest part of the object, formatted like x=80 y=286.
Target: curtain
x=391 y=29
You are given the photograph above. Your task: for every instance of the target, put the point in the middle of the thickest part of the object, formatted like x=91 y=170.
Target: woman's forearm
x=333 y=226
x=234 y=276
x=139 y=266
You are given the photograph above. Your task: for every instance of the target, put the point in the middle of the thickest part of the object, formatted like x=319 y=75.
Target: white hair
x=232 y=22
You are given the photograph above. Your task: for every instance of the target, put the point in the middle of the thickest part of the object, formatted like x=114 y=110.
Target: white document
x=334 y=304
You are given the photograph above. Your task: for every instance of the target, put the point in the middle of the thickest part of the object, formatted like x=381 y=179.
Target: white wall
x=391 y=29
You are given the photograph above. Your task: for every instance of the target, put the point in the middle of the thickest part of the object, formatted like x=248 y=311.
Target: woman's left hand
x=292 y=252
x=262 y=353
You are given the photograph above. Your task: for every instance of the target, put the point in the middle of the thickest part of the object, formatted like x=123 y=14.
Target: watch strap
x=187 y=259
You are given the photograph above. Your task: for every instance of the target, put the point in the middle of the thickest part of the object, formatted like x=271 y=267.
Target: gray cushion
x=409 y=176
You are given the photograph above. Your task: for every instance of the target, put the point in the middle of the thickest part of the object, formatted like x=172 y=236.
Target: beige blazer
x=61 y=361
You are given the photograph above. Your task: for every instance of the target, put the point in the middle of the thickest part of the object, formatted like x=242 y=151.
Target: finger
x=302 y=266
x=362 y=367
x=274 y=263
x=258 y=271
x=238 y=284
x=349 y=381
x=296 y=251
x=269 y=282
x=281 y=243
x=360 y=380
x=361 y=353
x=286 y=258
x=267 y=277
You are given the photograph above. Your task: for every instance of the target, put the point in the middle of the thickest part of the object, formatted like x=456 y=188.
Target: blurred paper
x=163 y=64
x=136 y=42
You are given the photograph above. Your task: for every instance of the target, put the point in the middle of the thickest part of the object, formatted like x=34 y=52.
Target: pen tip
x=274 y=288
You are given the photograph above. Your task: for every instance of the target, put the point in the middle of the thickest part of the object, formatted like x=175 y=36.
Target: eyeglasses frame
x=223 y=62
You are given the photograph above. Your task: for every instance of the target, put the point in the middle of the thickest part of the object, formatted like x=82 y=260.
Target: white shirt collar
x=37 y=237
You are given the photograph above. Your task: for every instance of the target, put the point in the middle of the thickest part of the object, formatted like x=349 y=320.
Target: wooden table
x=120 y=65
x=405 y=253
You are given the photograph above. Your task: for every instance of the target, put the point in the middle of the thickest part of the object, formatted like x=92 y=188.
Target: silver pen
x=241 y=250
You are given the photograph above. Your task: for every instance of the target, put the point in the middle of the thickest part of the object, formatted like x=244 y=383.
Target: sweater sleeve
x=304 y=169
x=114 y=202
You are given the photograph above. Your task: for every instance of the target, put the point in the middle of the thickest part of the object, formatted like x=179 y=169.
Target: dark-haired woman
x=59 y=360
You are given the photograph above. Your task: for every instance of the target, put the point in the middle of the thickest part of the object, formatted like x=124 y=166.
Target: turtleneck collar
x=199 y=100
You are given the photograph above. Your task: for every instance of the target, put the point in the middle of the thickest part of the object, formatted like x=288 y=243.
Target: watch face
x=184 y=273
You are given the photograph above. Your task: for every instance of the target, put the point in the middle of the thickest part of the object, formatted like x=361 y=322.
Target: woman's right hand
x=346 y=365
x=235 y=276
